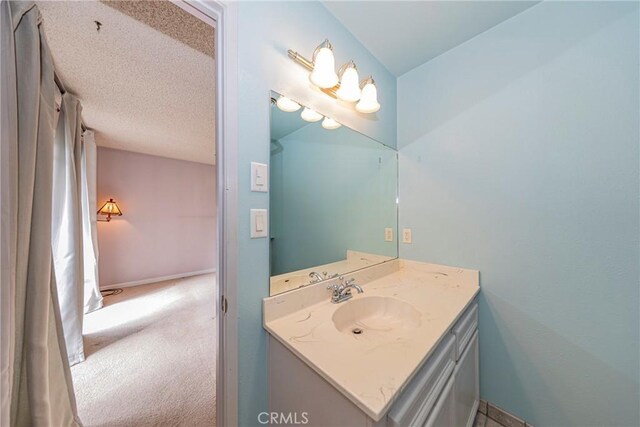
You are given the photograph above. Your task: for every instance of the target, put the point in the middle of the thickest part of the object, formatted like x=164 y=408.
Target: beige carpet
x=150 y=357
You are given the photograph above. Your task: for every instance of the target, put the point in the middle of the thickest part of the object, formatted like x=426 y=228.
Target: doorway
x=143 y=311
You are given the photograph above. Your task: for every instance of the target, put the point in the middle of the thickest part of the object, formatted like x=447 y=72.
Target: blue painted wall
x=330 y=191
x=265 y=31
x=519 y=157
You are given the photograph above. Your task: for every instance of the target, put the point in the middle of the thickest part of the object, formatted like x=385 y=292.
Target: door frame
x=222 y=16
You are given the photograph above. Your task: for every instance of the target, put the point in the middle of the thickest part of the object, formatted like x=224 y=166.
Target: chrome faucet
x=315 y=277
x=342 y=291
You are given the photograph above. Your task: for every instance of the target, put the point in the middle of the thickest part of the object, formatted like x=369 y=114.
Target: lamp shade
x=110 y=208
x=324 y=75
x=287 y=105
x=330 y=124
x=308 y=115
x=369 y=101
x=349 y=90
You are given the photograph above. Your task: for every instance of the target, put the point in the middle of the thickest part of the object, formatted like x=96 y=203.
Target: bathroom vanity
x=404 y=352
x=357 y=337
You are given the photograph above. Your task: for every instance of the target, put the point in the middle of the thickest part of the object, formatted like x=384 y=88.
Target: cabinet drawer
x=420 y=395
x=465 y=327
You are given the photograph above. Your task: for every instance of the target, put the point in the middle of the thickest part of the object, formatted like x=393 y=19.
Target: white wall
x=169 y=222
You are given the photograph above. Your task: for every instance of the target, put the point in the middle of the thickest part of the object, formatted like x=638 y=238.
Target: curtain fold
x=92 y=296
x=36 y=378
x=8 y=219
x=67 y=231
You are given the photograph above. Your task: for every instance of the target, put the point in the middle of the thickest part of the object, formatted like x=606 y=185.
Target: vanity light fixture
x=308 y=115
x=330 y=124
x=108 y=209
x=349 y=90
x=343 y=85
x=369 y=100
x=287 y=105
x=323 y=74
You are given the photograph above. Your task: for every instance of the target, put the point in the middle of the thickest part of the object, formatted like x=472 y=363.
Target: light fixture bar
x=309 y=66
x=301 y=60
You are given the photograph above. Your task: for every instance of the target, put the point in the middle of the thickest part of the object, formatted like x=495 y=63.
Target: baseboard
x=156 y=279
x=500 y=416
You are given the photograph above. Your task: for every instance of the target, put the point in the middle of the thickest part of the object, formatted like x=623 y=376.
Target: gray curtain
x=36 y=381
x=67 y=216
x=8 y=155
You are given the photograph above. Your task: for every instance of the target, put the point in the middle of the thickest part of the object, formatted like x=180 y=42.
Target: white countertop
x=371 y=373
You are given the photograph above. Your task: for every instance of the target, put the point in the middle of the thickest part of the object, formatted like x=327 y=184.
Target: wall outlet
x=406 y=235
x=388 y=234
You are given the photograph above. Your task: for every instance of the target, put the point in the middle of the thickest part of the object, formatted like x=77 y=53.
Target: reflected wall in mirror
x=333 y=200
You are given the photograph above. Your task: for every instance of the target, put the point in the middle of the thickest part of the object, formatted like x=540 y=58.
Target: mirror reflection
x=333 y=198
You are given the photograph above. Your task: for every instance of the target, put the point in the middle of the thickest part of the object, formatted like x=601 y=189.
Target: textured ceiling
x=166 y=17
x=144 y=89
x=405 y=34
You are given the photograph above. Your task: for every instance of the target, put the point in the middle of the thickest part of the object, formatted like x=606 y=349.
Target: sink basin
x=376 y=317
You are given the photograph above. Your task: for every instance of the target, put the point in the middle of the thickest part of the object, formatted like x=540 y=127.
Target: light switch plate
x=259 y=177
x=388 y=234
x=259 y=223
x=406 y=235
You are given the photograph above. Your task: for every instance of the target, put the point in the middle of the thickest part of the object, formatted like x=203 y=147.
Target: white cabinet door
x=467 y=385
x=417 y=400
x=442 y=414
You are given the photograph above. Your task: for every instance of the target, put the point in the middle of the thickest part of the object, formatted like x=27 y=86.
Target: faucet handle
x=350 y=281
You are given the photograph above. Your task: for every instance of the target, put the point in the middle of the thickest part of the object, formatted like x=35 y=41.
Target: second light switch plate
x=259 y=223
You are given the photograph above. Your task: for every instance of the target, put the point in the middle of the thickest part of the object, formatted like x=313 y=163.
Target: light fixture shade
x=110 y=208
x=324 y=74
x=287 y=105
x=369 y=101
x=349 y=90
x=308 y=115
x=330 y=124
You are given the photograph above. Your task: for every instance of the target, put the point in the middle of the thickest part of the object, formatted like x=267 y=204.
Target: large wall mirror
x=333 y=200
